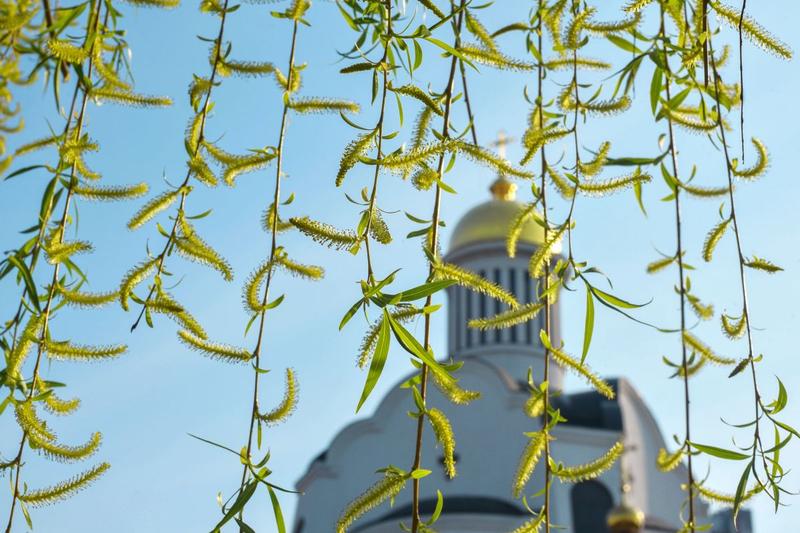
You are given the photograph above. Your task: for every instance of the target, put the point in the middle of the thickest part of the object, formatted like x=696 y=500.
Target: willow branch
x=546 y=282
x=757 y=445
x=741 y=73
x=434 y=244
x=92 y=26
x=379 y=148
x=673 y=150
x=184 y=192
x=273 y=247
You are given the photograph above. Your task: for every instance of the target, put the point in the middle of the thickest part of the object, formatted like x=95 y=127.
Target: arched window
x=591 y=502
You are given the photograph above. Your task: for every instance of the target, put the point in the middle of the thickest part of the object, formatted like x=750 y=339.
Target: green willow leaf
x=379 y=357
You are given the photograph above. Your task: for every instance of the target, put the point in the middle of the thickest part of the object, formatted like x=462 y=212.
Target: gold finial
x=502 y=189
x=625 y=518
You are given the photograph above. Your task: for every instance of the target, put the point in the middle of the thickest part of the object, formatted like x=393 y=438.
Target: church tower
x=478 y=243
x=491 y=433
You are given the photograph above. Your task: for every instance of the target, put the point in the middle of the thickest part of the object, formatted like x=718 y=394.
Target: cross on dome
x=502 y=189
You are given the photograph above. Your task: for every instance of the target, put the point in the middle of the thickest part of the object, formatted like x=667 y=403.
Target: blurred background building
x=632 y=497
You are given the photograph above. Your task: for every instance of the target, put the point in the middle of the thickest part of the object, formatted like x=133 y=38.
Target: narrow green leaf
x=378 y=360
x=588 y=327
x=238 y=505
x=722 y=453
x=741 y=489
x=276 y=508
x=27 y=278
x=615 y=301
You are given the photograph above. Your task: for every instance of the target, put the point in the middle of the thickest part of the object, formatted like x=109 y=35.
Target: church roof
x=583 y=409
x=590 y=409
x=492 y=220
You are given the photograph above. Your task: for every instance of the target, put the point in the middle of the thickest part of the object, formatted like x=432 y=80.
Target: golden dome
x=492 y=220
x=624 y=518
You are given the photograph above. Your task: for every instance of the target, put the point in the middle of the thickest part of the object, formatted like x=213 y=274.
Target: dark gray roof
x=590 y=409
x=453 y=505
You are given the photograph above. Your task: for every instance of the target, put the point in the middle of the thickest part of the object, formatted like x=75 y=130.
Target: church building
x=632 y=497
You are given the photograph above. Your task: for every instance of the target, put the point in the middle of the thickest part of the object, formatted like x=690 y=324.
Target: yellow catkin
x=493 y=58
x=367 y=347
x=527 y=463
x=591 y=470
x=352 y=152
x=65 y=489
x=134 y=277
x=58 y=252
x=713 y=496
x=387 y=488
x=444 y=435
x=472 y=281
x=196 y=249
x=28 y=419
x=596 y=165
x=117 y=96
x=63 y=453
x=324 y=233
x=165 y=304
x=613 y=185
x=523 y=216
x=532 y=526
x=703 y=311
x=485 y=157
x=289 y=403
x=79 y=298
x=566 y=361
x=245 y=165
x=510 y=318
x=752 y=30
x=758 y=168
x=310 y=272
x=669 y=461
x=534 y=405
x=251 y=296
x=451 y=390
x=223 y=352
x=713 y=238
x=704 y=351
x=113 y=193
x=25 y=342
x=322 y=105
x=66 y=351
x=153 y=207
x=659 y=264
x=543 y=253
x=66 y=51
x=378 y=228
x=733 y=327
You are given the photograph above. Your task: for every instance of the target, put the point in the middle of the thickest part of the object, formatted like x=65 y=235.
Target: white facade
x=489 y=433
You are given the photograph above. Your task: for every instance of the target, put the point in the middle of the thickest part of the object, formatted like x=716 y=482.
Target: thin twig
x=681 y=280
x=95 y=11
x=273 y=248
x=546 y=291
x=741 y=75
x=379 y=148
x=757 y=445
x=204 y=115
x=470 y=116
x=445 y=133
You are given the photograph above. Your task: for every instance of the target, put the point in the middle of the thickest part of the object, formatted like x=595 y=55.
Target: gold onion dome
x=492 y=220
x=625 y=519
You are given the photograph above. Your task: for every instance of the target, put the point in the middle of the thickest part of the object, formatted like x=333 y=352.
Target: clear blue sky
x=146 y=402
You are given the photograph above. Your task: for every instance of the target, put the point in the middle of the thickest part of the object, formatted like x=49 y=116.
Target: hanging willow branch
x=69 y=182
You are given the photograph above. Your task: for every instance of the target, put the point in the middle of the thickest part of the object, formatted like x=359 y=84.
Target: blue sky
x=146 y=402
